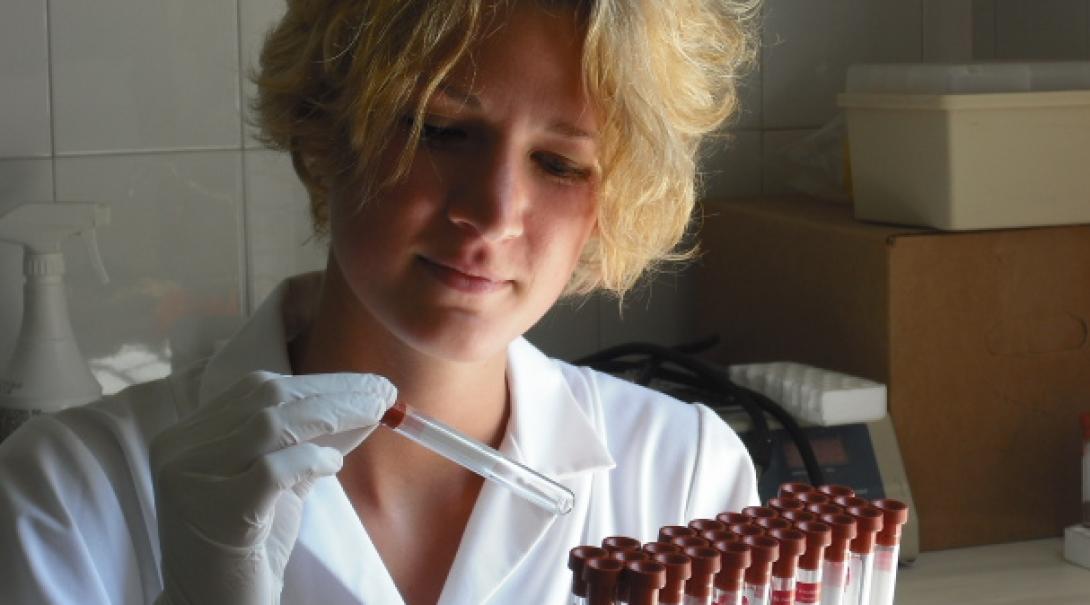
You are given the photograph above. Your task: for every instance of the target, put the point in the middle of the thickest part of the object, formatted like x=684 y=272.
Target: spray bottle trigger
x=91 y=240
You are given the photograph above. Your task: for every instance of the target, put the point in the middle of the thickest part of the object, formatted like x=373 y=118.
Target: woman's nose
x=491 y=200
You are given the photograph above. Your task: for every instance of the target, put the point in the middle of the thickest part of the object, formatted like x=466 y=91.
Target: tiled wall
x=141 y=104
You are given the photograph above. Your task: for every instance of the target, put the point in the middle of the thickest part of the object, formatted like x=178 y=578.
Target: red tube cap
x=792 y=545
x=577 y=558
x=844 y=531
x=763 y=550
x=644 y=579
x=714 y=536
x=602 y=576
x=814 y=497
x=818 y=537
x=627 y=556
x=847 y=502
x=703 y=525
x=798 y=516
x=894 y=516
x=785 y=503
x=670 y=531
x=758 y=512
x=835 y=490
x=687 y=541
x=654 y=548
x=678 y=570
x=620 y=543
x=827 y=508
x=735 y=559
x=793 y=489
x=732 y=518
x=771 y=523
x=868 y=522
x=746 y=529
x=706 y=564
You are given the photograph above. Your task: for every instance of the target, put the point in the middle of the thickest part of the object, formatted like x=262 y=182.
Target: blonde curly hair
x=336 y=76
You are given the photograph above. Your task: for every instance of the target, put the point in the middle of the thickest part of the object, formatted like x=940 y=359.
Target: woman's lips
x=463 y=282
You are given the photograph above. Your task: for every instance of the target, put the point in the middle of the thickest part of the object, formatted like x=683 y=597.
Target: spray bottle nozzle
x=41 y=227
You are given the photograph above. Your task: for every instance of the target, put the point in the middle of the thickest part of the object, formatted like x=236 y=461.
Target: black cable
x=710 y=378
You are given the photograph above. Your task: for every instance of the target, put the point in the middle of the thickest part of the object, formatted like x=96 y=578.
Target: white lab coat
x=77 y=512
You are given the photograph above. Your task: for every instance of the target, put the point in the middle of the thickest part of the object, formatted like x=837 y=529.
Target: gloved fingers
x=271 y=475
x=282 y=411
x=285 y=425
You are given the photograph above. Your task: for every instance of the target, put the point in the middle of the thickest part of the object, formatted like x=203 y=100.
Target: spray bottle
x=46 y=372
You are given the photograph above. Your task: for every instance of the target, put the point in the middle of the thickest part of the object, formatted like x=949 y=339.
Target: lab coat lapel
x=548 y=432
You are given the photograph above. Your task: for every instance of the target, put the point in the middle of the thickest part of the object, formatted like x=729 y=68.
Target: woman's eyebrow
x=453 y=93
x=459 y=95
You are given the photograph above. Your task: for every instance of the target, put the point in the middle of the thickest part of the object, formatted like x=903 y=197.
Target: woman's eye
x=562 y=168
x=433 y=134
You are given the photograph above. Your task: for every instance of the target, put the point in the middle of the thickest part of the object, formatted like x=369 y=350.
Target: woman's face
x=479 y=239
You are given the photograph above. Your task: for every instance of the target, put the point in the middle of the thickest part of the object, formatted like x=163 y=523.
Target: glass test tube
x=730 y=580
x=792 y=545
x=887 y=547
x=868 y=522
x=678 y=570
x=577 y=559
x=479 y=458
x=834 y=571
x=705 y=564
x=808 y=577
x=764 y=550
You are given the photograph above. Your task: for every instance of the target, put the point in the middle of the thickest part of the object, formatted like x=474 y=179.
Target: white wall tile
x=570 y=330
x=172 y=250
x=135 y=75
x=255 y=19
x=279 y=236
x=750 y=90
x=783 y=174
x=947 y=30
x=809 y=44
x=731 y=166
x=1042 y=29
x=24 y=79
x=21 y=181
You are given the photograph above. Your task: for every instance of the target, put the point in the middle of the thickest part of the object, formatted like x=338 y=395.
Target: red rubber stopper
x=818 y=537
x=735 y=558
x=844 y=531
x=577 y=558
x=620 y=543
x=763 y=550
x=602 y=576
x=705 y=565
x=894 y=516
x=678 y=571
x=644 y=580
x=868 y=522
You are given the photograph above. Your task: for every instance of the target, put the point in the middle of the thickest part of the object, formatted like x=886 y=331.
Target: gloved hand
x=230 y=479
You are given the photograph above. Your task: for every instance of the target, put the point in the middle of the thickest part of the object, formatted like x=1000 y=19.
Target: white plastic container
x=970 y=146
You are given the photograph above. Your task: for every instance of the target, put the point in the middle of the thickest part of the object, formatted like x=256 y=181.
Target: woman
x=471 y=162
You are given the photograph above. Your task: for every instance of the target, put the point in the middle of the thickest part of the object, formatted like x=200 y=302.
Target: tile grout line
x=49 y=103
x=244 y=263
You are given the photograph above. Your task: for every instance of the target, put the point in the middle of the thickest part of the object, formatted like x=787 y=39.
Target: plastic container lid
x=792 y=545
x=736 y=558
x=968 y=78
x=678 y=570
x=577 y=559
x=844 y=531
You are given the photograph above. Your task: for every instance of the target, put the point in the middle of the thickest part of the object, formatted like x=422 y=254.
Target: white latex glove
x=230 y=479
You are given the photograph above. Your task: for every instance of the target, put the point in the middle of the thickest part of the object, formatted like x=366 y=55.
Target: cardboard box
x=981 y=337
